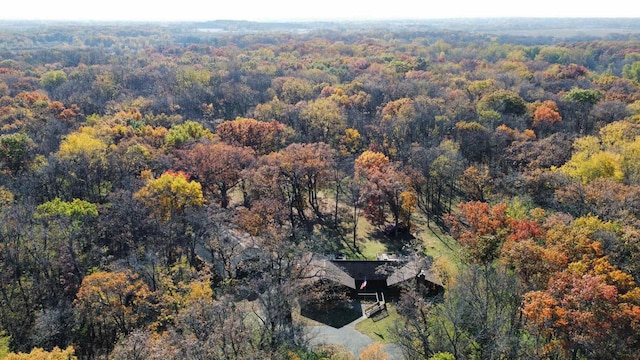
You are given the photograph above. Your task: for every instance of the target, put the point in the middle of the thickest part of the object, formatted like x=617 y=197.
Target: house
x=386 y=275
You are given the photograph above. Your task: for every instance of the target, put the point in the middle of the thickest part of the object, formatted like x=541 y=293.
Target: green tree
x=179 y=135
x=16 y=152
x=4 y=345
x=582 y=101
x=67 y=239
x=589 y=161
x=324 y=120
x=52 y=79
x=632 y=71
x=442 y=356
x=505 y=102
x=583 y=96
x=76 y=209
x=291 y=89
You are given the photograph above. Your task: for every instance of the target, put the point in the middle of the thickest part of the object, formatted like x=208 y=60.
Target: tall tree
x=294 y=176
x=479 y=227
x=546 y=115
x=264 y=137
x=437 y=170
x=173 y=201
x=16 y=152
x=323 y=120
x=217 y=166
x=82 y=156
x=580 y=103
x=67 y=237
x=387 y=190
x=109 y=304
x=170 y=194
x=474 y=141
x=478 y=318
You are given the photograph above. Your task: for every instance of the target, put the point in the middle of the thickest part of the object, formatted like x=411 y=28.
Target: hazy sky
x=179 y=10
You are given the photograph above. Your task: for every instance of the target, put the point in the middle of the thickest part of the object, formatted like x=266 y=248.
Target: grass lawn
x=438 y=245
x=380 y=330
x=443 y=249
x=371 y=248
x=371 y=242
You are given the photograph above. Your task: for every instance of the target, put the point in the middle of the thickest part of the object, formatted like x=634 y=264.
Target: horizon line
x=318 y=20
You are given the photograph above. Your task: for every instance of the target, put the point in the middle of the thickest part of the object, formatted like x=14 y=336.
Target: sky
x=287 y=10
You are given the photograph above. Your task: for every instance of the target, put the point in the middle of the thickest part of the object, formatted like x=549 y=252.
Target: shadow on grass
x=395 y=244
x=435 y=229
x=336 y=316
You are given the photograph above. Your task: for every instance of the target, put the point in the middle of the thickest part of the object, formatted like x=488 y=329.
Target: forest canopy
x=162 y=186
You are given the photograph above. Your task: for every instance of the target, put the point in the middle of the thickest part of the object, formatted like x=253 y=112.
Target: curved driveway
x=350 y=338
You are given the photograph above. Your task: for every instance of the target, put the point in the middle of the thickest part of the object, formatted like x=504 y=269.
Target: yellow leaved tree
x=41 y=354
x=614 y=154
x=111 y=304
x=170 y=194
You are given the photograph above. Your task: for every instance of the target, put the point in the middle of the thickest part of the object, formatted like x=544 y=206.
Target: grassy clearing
x=371 y=248
x=438 y=245
x=380 y=330
x=370 y=242
x=366 y=245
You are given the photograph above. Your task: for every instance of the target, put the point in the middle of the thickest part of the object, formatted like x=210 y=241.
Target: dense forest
x=162 y=185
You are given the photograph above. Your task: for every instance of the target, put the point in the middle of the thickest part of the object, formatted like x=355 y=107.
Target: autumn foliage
x=546 y=114
x=574 y=299
x=170 y=194
x=162 y=190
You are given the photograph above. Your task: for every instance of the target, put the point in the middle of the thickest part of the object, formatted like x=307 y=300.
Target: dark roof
x=328 y=270
x=348 y=272
x=368 y=269
x=412 y=269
